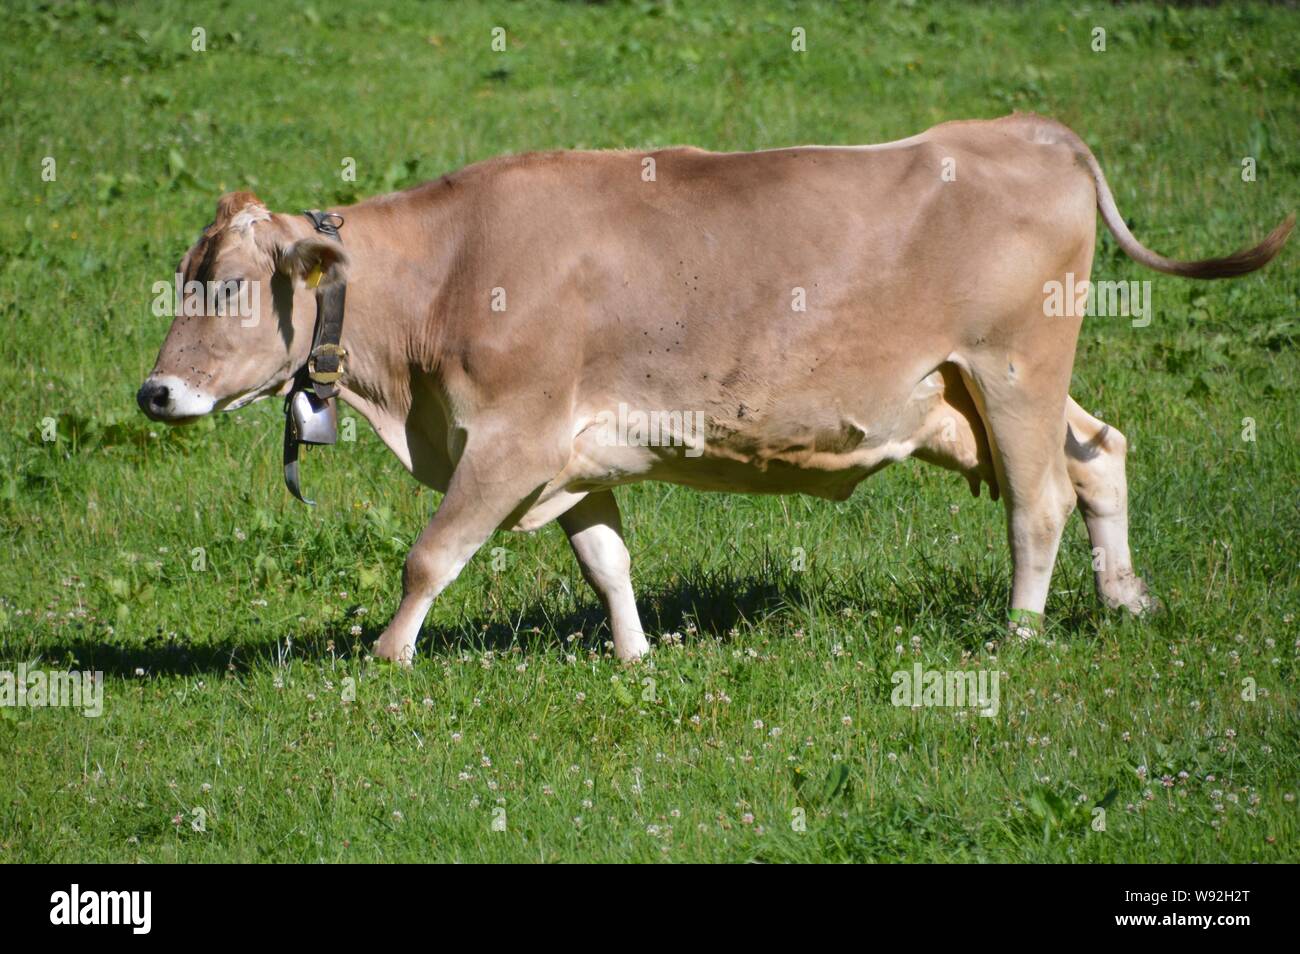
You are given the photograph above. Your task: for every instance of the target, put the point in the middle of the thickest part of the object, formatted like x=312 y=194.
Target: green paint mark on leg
x=1018 y=619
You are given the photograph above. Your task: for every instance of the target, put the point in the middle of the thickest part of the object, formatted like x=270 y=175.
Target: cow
x=808 y=314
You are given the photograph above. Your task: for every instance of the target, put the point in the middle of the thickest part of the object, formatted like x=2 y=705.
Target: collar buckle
x=327 y=350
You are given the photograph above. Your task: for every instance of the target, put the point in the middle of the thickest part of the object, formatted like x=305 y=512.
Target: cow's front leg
x=596 y=535
x=482 y=496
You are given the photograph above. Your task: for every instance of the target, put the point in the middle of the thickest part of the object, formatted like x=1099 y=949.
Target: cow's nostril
x=153 y=397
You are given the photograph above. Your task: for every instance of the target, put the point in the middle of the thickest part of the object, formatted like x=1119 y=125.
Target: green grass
x=225 y=685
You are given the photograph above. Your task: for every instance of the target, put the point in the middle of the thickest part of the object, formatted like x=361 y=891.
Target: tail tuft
x=1241 y=262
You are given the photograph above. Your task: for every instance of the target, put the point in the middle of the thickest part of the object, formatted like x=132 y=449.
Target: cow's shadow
x=711 y=609
x=699 y=605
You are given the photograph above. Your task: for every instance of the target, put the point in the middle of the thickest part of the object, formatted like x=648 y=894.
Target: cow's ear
x=315 y=260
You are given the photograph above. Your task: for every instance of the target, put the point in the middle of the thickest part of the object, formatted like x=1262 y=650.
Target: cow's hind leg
x=1023 y=406
x=1094 y=457
x=596 y=535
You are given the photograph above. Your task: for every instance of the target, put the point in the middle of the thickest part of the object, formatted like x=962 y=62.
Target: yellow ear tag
x=313 y=277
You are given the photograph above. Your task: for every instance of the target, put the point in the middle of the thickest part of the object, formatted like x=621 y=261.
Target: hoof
x=634 y=652
x=1024 y=624
x=392 y=651
x=1130 y=593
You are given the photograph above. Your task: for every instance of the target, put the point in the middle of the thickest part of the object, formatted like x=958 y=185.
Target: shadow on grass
x=964 y=605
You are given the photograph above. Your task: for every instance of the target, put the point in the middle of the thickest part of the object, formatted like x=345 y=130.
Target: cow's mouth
x=243 y=400
x=271 y=388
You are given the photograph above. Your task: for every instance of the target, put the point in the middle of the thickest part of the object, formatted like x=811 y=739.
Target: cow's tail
x=1238 y=263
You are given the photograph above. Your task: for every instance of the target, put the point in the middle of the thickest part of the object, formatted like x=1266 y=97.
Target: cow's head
x=237 y=335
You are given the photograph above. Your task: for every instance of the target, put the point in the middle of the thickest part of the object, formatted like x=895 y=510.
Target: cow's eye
x=230 y=286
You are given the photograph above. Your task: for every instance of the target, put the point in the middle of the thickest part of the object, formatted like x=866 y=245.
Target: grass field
x=242 y=719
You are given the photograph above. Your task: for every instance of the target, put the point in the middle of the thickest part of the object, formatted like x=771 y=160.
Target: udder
x=952 y=433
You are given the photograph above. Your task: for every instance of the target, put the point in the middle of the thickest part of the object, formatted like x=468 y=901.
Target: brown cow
x=532 y=331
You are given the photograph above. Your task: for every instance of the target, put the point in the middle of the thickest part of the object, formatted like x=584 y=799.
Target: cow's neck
x=391 y=365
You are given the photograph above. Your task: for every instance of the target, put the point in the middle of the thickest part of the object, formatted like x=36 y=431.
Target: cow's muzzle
x=164 y=397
